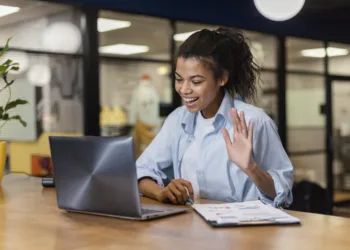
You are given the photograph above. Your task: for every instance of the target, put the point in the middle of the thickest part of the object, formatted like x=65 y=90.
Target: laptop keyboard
x=149 y=211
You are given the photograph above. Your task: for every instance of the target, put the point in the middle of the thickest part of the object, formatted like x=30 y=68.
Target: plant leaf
x=8 y=62
x=6 y=67
x=3 y=51
x=3 y=68
x=17 y=117
x=15 y=103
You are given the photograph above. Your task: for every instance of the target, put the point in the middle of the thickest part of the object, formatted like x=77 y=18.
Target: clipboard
x=251 y=213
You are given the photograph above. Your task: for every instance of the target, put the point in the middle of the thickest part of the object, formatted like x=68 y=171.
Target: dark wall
x=237 y=13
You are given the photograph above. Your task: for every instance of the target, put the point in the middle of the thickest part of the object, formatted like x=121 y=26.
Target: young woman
x=219 y=147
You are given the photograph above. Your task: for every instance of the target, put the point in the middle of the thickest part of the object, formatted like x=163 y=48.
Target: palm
x=240 y=149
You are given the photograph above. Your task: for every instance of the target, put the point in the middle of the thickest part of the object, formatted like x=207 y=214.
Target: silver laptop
x=97 y=175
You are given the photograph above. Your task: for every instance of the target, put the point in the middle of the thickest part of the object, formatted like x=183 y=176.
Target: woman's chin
x=192 y=110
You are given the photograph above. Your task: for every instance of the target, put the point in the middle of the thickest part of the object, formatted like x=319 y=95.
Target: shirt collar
x=222 y=117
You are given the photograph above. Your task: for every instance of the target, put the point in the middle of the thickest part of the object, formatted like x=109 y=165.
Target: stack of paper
x=243 y=213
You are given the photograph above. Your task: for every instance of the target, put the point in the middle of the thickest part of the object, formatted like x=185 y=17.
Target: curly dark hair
x=225 y=50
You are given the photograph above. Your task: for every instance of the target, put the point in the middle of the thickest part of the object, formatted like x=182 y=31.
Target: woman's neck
x=213 y=107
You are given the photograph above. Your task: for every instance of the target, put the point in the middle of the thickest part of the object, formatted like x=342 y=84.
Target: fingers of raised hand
x=250 y=132
x=239 y=123
x=244 y=129
x=226 y=137
x=236 y=121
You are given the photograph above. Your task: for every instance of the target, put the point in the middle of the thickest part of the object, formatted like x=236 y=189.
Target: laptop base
x=166 y=212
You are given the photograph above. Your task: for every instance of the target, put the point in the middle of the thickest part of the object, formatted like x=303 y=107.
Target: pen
x=189 y=200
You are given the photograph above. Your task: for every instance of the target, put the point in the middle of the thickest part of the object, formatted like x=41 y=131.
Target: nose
x=185 y=88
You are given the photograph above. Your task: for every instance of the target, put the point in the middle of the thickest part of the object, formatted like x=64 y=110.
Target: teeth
x=190 y=99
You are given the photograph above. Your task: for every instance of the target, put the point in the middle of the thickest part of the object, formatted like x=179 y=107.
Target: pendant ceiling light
x=279 y=10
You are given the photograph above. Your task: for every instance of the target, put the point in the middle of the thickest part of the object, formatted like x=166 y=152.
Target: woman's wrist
x=252 y=170
x=148 y=187
x=249 y=168
x=158 y=194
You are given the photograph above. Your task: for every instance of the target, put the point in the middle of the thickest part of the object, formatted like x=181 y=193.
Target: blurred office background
x=82 y=65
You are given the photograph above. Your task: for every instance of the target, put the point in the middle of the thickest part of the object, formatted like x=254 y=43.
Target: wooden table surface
x=30 y=219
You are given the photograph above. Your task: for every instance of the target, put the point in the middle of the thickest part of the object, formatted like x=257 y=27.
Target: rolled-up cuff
x=157 y=176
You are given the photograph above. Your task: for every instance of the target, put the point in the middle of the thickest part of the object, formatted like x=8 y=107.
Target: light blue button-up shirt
x=218 y=177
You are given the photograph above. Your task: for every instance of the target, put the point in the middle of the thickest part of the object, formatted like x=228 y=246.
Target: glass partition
x=133 y=36
x=305 y=55
x=339 y=59
x=306 y=126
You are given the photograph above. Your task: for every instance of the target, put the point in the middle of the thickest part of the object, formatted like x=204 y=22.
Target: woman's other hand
x=176 y=192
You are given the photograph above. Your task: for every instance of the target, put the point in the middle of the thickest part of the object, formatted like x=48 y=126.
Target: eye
x=196 y=82
x=178 y=80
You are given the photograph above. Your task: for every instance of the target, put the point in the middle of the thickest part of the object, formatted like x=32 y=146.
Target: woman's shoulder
x=176 y=115
x=252 y=113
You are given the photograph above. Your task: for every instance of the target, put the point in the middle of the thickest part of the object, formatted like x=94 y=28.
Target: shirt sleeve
x=158 y=155
x=271 y=157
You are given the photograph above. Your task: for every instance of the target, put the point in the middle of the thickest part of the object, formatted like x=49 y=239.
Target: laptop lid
x=96 y=175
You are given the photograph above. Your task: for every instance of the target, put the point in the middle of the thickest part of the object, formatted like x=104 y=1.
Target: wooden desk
x=30 y=219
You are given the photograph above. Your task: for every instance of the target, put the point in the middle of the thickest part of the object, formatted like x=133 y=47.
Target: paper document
x=250 y=212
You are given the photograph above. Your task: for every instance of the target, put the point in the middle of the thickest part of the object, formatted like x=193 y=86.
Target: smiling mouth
x=190 y=100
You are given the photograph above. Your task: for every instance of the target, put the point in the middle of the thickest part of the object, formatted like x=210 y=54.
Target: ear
x=224 y=78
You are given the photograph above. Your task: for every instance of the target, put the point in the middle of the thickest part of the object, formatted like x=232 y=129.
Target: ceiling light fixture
x=53 y=40
x=7 y=10
x=183 y=36
x=279 y=10
x=163 y=70
x=105 y=24
x=321 y=52
x=124 y=49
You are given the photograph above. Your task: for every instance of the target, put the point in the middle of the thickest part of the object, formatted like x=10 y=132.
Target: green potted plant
x=5 y=108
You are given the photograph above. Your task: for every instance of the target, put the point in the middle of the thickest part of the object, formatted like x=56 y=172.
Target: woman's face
x=197 y=86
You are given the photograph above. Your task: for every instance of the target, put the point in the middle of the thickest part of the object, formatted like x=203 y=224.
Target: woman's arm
x=175 y=192
x=158 y=154
x=150 y=188
x=156 y=157
x=262 y=180
x=270 y=157
x=263 y=159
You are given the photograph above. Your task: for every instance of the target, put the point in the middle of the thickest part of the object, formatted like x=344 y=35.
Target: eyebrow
x=194 y=76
